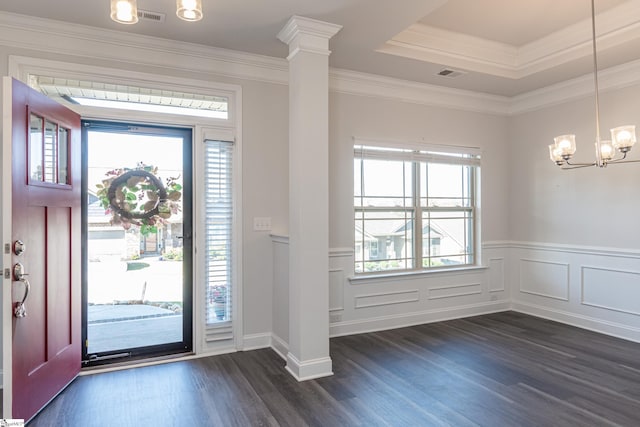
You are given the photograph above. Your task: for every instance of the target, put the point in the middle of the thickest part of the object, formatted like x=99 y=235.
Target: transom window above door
x=135 y=98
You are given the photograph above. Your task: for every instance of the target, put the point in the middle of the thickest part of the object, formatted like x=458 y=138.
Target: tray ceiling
x=503 y=47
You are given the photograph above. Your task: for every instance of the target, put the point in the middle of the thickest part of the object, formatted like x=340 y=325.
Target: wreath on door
x=138 y=197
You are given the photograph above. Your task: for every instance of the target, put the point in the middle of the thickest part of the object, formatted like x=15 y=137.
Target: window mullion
x=417 y=217
x=473 y=247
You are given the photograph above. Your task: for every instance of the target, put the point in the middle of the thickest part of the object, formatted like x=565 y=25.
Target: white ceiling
x=505 y=47
x=514 y=22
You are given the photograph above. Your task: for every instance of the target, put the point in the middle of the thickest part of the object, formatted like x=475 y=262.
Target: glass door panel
x=138 y=240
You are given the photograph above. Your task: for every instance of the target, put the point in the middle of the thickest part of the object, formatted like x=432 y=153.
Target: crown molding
x=38 y=34
x=431 y=44
x=43 y=35
x=610 y=79
x=426 y=43
x=362 y=84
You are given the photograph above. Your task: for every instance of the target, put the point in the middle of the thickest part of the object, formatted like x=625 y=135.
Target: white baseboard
x=606 y=327
x=280 y=346
x=416 y=318
x=256 y=341
x=309 y=369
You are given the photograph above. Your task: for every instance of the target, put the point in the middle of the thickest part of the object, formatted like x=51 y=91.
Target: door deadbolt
x=19 y=247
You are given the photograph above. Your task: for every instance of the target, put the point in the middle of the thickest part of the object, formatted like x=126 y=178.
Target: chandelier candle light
x=622 y=137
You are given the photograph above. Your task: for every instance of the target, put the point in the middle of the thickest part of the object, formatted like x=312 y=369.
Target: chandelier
x=607 y=151
x=126 y=11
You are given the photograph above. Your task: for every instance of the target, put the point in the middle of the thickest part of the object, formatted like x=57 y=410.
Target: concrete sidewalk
x=125 y=334
x=112 y=327
x=104 y=313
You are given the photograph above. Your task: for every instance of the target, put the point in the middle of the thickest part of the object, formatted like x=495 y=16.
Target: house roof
x=379 y=229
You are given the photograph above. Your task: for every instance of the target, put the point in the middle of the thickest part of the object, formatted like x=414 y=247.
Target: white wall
x=575 y=250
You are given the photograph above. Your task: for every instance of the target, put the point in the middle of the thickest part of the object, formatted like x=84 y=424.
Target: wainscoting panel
x=336 y=290
x=387 y=298
x=452 y=291
x=544 y=279
x=496 y=275
x=385 y=301
x=597 y=289
x=611 y=289
x=280 y=313
x=589 y=287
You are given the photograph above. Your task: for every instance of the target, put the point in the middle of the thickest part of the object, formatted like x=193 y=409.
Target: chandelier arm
x=580 y=164
x=577 y=166
x=615 y=162
x=624 y=156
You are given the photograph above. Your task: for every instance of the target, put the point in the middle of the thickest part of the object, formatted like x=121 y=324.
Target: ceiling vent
x=147 y=15
x=451 y=73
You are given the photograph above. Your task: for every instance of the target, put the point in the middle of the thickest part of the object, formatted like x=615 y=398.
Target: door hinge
x=7 y=248
x=7 y=273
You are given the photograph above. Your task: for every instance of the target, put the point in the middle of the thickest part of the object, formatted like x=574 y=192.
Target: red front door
x=46 y=348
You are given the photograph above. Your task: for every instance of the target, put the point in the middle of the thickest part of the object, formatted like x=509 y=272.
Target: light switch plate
x=262 y=223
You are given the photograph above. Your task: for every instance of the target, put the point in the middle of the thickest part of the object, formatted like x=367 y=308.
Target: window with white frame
x=415 y=207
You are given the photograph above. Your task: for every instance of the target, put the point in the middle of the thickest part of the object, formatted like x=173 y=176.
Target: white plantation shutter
x=416 y=152
x=218 y=186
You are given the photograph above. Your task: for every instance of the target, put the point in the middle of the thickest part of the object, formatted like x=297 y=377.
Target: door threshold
x=137 y=363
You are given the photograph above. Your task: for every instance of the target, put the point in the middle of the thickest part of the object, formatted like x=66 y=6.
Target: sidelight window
x=219 y=213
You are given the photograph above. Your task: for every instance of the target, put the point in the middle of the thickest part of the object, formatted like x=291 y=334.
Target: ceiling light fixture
x=622 y=137
x=189 y=10
x=124 y=11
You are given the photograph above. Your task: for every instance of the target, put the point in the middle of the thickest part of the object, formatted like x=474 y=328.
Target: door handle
x=20 y=309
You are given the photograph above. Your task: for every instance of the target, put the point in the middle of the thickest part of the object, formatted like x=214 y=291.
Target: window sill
x=385 y=277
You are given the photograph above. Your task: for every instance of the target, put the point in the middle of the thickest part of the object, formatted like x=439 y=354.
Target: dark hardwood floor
x=504 y=369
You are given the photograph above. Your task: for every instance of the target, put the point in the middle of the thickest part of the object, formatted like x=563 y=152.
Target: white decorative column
x=308 y=42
